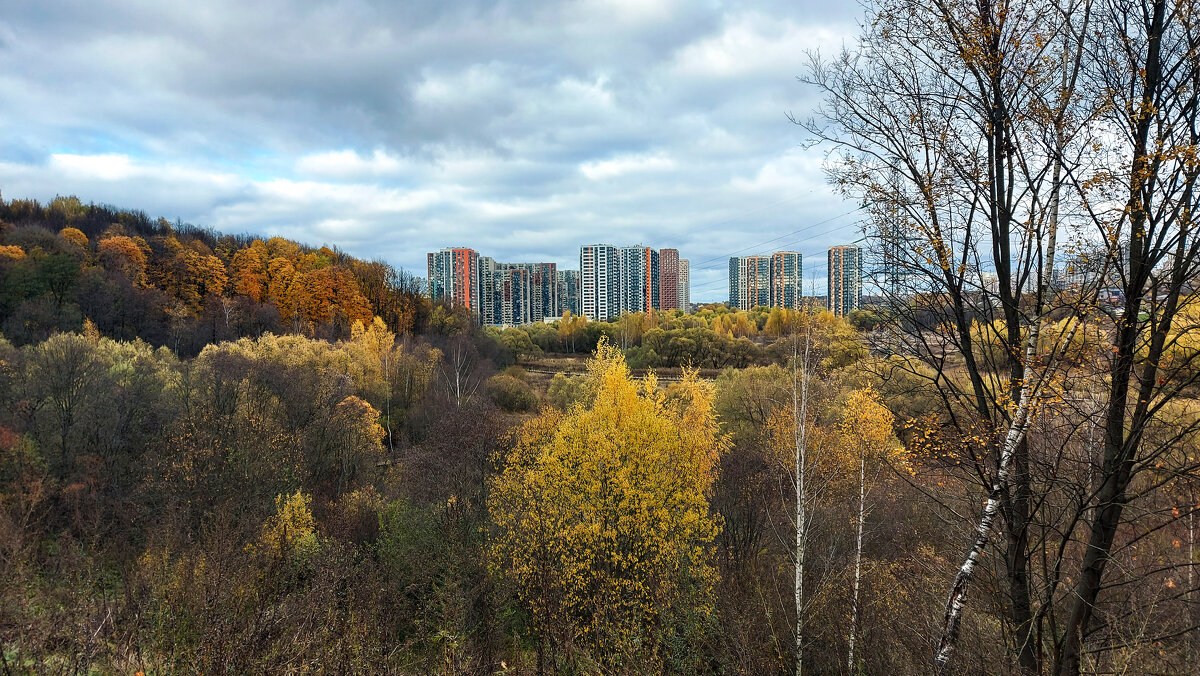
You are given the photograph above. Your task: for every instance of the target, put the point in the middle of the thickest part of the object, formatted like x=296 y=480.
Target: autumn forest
x=225 y=453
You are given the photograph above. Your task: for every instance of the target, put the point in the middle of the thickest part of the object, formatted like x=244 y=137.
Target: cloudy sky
x=521 y=129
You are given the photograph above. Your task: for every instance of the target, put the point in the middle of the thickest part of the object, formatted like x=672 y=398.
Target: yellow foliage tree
x=360 y=446
x=569 y=329
x=76 y=238
x=248 y=272
x=290 y=531
x=744 y=326
x=603 y=519
x=775 y=323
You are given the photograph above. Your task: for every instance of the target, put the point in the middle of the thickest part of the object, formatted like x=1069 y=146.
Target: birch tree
x=460 y=371
x=866 y=431
x=792 y=432
x=800 y=417
x=1024 y=161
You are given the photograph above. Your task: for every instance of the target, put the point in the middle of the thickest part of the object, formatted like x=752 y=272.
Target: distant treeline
x=714 y=337
x=181 y=285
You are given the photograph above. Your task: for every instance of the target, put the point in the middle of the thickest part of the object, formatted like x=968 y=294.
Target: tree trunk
x=956 y=602
x=800 y=411
x=1120 y=440
x=1016 y=558
x=1104 y=529
x=1190 y=581
x=862 y=513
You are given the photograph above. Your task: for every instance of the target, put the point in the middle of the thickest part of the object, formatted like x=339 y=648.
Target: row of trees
x=715 y=337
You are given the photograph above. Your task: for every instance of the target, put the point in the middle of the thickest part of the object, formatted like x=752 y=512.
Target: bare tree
x=1146 y=71
x=460 y=370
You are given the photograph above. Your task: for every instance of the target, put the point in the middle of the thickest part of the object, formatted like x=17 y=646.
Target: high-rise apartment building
x=568 y=292
x=639 y=278
x=668 y=279
x=632 y=276
x=490 y=312
x=609 y=281
x=787 y=273
x=685 y=285
x=749 y=281
x=454 y=277
x=515 y=287
x=845 y=279
x=543 y=280
x=599 y=282
x=512 y=294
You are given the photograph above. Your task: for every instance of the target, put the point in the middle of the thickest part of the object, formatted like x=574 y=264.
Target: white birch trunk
x=1191 y=564
x=958 y=591
x=1030 y=388
x=387 y=402
x=800 y=411
x=862 y=517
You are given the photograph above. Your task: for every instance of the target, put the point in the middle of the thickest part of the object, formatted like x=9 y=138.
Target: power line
x=816 y=257
x=744 y=214
x=701 y=264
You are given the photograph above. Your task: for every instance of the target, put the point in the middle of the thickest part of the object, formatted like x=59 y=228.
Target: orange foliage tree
x=122 y=254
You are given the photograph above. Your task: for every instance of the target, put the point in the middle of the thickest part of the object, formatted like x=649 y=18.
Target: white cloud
x=472 y=84
x=349 y=164
x=786 y=172
x=629 y=12
x=755 y=44
x=109 y=167
x=601 y=169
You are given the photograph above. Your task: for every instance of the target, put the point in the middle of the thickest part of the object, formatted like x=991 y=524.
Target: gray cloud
x=391 y=129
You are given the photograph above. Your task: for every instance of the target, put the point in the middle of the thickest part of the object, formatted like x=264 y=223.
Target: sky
x=390 y=129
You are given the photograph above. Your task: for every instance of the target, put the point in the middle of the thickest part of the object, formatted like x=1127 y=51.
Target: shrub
x=510 y=393
x=566 y=391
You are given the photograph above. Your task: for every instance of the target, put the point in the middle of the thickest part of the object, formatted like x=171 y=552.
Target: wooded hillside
x=181 y=285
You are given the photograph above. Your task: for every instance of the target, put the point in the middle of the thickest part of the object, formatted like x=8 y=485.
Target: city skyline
x=614 y=280
x=813 y=274
x=610 y=281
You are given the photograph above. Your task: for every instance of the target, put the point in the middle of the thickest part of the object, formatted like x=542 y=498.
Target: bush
x=519 y=343
x=642 y=358
x=566 y=391
x=510 y=393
